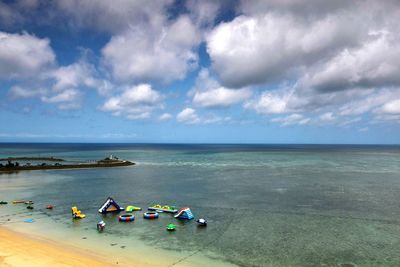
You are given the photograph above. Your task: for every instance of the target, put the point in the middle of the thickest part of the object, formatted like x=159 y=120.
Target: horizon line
x=200 y=143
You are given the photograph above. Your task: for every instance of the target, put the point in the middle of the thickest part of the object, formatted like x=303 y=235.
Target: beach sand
x=19 y=250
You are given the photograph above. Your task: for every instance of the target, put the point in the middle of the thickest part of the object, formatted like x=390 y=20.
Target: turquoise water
x=276 y=205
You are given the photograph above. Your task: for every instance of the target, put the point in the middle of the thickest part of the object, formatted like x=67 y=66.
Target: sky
x=228 y=71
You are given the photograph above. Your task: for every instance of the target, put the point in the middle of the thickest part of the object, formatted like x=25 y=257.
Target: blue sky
x=200 y=71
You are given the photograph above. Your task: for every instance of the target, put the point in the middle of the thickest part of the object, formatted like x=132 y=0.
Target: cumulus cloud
x=270 y=102
x=203 y=12
x=110 y=16
x=74 y=75
x=165 y=117
x=62 y=86
x=308 y=7
x=190 y=116
x=136 y=102
x=24 y=55
x=331 y=60
x=327 y=117
x=376 y=63
x=67 y=99
x=293 y=119
x=392 y=107
x=269 y=47
x=208 y=93
x=149 y=52
x=18 y=91
x=220 y=97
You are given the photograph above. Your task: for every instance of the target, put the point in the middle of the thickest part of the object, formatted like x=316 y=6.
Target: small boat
x=150 y=215
x=49 y=207
x=164 y=208
x=132 y=208
x=3 y=202
x=126 y=218
x=29 y=207
x=202 y=222
x=18 y=201
x=171 y=227
x=30 y=202
x=100 y=226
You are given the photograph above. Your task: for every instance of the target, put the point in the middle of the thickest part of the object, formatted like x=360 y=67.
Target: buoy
x=49 y=207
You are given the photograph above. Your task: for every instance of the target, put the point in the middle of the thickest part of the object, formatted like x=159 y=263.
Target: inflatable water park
x=110 y=205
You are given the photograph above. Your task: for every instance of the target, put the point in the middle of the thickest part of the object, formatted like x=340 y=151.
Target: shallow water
x=266 y=205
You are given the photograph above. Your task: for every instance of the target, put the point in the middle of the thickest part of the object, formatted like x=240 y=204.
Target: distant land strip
x=32 y=158
x=106 y=163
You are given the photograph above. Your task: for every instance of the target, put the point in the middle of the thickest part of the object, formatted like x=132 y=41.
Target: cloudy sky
x=267 y=71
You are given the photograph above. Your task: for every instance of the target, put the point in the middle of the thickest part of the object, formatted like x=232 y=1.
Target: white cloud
x=392 y=107
x=67 y=99
x=274 y=102
x=371 y=102
x=20 y=92
x=110 y=16
x=327 y=117
x=220 y=97
x=190 y=116
x=203 y=12
x=374 y=64
x=208 y=93
x=24 y=55
x=74 y=75
x=270 y=47
x=333 y=61
x=136 y=102
x=293 y=119
x=147 y=53
x=165 y=117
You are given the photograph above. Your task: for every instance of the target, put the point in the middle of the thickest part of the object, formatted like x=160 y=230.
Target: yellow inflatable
x=77 y=214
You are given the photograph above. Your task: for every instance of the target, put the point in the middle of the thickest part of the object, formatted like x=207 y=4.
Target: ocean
x=266 y=205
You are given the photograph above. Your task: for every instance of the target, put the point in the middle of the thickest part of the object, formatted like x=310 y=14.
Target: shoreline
x=17 y=249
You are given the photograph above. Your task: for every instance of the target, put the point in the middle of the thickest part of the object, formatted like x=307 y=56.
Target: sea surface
x=266 y=205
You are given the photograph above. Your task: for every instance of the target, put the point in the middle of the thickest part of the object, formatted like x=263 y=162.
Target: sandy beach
x=19 y=250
